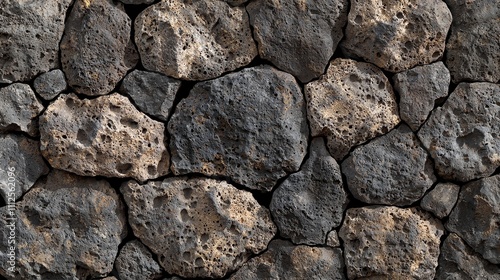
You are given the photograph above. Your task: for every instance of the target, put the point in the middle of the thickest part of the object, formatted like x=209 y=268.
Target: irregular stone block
x=137 y=2
x=235 y=2
x=50 y=84
x=441 y=199
x=135 y=261
x=332 y=239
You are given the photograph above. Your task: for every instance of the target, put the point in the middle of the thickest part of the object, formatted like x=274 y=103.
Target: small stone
x=441 y=199
x=351 y=104
x=153 y=93
x=332 y=239
x=110 y=278
x=96 y=49
x=309 y=203
x=419 y=89
x=235 y=2
x=135 y=261
x=298 y=36
x=50 y=84
x=137 y=2
x=397 y=35
x=213 y=228
x=194 y=40
x=463 y=136
x=249 y=126
x=390 y=243
x=105 y=136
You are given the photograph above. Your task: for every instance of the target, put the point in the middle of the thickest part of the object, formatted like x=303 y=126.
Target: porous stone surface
x=397 y=35
x=309 y=203
x=332 y=239
x=50 y=84
x=441 y=199
x=213 y=228
x=195 y=40
x=283 y=260
x=104 y=136
x=96 y=49
x=382 y=242
x=476 y=217
x=135 y=261
x=153 y=93
x=249 y=126
x=419 y=89
x=463 y=136
x=352 y=103
x=298 y=36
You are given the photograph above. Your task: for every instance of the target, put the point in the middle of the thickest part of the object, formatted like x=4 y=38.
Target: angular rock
x=441 y=199
x=463 y=136
x=397 y=35
x=476 y=217
x=390 y=243
x=135 y=261
x=249 y=126
x=213 y=228
x=419 y=89
x=96 y=49
x=153 y=93
x=283 y=260
x=50 y=84
x=352 y=103
x=298 y=36
x=332 y=239
x=194 y=40
x=105 y=136
x=311 y=202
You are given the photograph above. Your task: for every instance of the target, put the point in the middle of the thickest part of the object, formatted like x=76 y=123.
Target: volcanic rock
x=50 y=84
x=441 y=199
x=135 y=261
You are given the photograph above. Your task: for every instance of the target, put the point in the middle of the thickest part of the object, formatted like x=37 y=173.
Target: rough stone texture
x=50 y=84
x=249 y=126
x=195 y=40
x=235 y=2
x=351 y=104
x=459 y=262
x=29 y=37
x=332 y=239
x=397 y=35
x=96 y=49
x=463 y=136
x=213 y=228
x=309 y=203
x=136 y=262
x=20 y=157
x=473 y=48
x=441 y=199
x=153 y=93
x=137 y=2
x=419 y=89
x=68 y=227
x=476 y=218
x=19 y=108
x=103 y=136
x=390 y=243
x=283 y=260
x=393 y=169
x=298 y=36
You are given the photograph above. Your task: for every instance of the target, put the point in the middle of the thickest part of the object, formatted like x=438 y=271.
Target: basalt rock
x=441 y=199
x=50 y=84
x=135 y=261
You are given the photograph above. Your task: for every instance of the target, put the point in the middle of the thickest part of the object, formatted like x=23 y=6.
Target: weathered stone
x=476 y=217
x=68 y=227
x=135 y=261
x=96 y=49
x=194 y=40
x=50 y=84
x=332 y=239
x=249 y=126
x=104 y=136
x=283 y=260
x=153 y=93
x=235 y=2
x=351 y=104
x=213 y=228
x=298 y=36
x=137 y=2
x=19 y=109
x=397 y=35
x=309 y=203
x=441 y=199
x=473 y=48
x=110 y=278
x=419 y=89
x=463 y=136
x=29 y=37
x=390 y=243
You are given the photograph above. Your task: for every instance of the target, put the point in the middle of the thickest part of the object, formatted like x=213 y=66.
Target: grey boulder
x=441 y=199
x=135 y=261
x=50 y=84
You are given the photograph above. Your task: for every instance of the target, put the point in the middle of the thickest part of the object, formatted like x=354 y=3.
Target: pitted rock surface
x=104 y=136
x=249 y=126
x=441 y=199
x=50 y=84
x=213 y=228
x=195 y=40
x=135 y=261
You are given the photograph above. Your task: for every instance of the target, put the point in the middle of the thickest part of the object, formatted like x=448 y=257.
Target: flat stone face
x=96 y=49
x=463 y=135
x=298 y=36
x=195 y=40
x=390 y=243
x=50 y=84
x=441 y=199
x=104 y=136
x=213 y=228
x=352 y=103
x=249 y=126
x=311 y=202
x=135 y=261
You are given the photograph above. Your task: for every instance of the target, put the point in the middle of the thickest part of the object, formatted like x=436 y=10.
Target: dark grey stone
x=441 y=199
x=137 y=2
x=135 y=261
x=50 y=84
